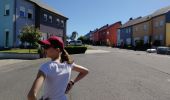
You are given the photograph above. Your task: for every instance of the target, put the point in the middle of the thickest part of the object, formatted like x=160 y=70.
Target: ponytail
x=66 y=57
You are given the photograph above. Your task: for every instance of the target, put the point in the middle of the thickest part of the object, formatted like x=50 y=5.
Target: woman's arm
x=82 y=72
x=32 y=95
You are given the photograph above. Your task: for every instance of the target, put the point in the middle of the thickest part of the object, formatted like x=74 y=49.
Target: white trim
x=22 y=9
x=45 y=17
x=6 y=30
x=51 y=19
x=30 y=11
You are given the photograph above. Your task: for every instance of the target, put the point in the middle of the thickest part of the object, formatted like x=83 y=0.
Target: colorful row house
x=15 y=14
x=153 y=29
x=106 y=35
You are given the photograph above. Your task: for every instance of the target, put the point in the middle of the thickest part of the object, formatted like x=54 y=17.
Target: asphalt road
x=114 y=75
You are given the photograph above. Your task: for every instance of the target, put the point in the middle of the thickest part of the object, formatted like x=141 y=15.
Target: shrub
x=76 y=49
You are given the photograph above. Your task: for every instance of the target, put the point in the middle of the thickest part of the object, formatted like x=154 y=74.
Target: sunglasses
x=49 y=46
x=46 y=46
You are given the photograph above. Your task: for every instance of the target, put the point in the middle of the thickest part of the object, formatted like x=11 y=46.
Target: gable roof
x=146 y=18
x=47 y=7
x=136 y=21
x=161 y=11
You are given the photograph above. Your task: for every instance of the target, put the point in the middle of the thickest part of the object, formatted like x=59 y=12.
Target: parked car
x=163 y=50
x=79 y=42
x=72 y=43
x=76 y=42
x=151 y=50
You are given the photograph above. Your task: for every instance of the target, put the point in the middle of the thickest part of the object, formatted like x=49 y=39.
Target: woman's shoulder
x=45 y=64
x=69 y=64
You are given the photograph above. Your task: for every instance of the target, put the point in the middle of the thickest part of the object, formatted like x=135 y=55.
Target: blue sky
x=86 y=15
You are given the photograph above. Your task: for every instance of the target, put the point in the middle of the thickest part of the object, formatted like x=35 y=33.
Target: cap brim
x=44 y=42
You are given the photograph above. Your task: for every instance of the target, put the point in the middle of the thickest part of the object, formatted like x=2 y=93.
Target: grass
x=88 y=46
x=19 y=51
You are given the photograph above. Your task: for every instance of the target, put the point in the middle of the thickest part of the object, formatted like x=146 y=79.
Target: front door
x=7 y=39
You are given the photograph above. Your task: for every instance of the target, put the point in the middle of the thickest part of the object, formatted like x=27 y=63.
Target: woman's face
x=52 y=52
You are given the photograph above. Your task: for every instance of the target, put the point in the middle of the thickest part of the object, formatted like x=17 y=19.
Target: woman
x=56 y=73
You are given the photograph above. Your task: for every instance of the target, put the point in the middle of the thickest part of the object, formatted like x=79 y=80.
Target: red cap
x=53 y=41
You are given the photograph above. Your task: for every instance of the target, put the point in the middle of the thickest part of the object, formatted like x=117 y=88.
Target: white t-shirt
x=57 y=78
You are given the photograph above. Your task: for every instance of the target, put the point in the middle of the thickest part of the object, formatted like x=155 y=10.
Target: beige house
x=152 y=28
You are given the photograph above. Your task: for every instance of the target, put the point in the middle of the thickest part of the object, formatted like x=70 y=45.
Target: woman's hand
x=69 y=87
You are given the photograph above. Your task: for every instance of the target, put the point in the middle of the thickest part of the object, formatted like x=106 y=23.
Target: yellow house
x=167 y=34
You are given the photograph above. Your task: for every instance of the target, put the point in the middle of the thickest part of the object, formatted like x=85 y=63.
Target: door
x=7 y=39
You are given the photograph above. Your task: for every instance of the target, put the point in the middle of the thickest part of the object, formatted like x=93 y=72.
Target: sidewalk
x=96 y=51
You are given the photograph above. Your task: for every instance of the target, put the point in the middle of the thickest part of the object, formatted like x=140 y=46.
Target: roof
x=47 y=7
x=104 y=27
x=136 y=21
x=161 y=11
x=119 y=22
x=146 y=18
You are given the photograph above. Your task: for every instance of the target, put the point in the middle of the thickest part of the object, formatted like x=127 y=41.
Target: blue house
x=126 y=33
x=16 y=14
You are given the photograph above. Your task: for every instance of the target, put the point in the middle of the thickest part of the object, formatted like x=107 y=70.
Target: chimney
x=131 y=18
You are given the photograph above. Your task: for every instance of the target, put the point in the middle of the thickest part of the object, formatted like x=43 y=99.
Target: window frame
x=58 y=20
x=51 y=19
x=45 y=17
x=30 y=11
x=145 y=27
x=161 y=23
x=7 y=8
x=22 y=10
x=62 y=23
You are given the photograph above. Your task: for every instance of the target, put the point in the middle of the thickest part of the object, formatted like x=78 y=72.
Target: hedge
x=76 y=49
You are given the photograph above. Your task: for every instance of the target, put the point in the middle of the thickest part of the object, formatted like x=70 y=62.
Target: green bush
x=76 y=49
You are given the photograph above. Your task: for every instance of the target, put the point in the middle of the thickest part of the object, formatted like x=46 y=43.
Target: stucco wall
x=159 y=31
x=6 y=22
x=23 y=21
x=168 y=34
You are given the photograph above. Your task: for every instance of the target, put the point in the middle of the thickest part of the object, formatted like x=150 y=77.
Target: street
x=115 y=74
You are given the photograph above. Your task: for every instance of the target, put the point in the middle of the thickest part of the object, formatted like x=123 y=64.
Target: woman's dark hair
x=66 y=57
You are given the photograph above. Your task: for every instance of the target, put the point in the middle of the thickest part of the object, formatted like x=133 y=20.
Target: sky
x=86 y=15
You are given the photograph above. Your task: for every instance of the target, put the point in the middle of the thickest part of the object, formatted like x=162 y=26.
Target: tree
x=30 y=35
x=74 y=35
x=82 y=38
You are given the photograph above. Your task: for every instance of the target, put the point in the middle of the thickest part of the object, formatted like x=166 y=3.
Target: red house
x=96 y=36
x=106 y=35
x=111 y=36
x=102 y=33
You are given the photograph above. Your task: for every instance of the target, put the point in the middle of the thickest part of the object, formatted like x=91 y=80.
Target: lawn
x=20 y=51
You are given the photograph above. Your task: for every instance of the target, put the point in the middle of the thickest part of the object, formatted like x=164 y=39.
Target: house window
x=22 y=12
x=156 y=24
x=62 y=23
x=30 y=14
x=45 y=17
x=156 y=37
x=161 y=23
x=161 y=37
x=51 y=19
x=136 y=29
x=145 y=27
x=127 y=30
x=107 y=32
x=58 y=21
x=7 y=11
